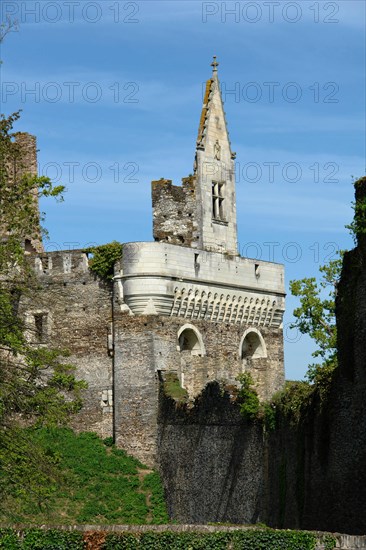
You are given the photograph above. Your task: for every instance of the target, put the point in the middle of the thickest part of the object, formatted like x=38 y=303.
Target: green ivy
x=247 y=397
x=104 y=258
x=258 y=539
x=39 y=539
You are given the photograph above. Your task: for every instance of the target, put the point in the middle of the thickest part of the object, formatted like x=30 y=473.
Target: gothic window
x=252 y=345
x=190 y=340
x=218 y=200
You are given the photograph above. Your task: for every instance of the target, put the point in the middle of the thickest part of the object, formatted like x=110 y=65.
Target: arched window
x=252 y=345
x=189 y=339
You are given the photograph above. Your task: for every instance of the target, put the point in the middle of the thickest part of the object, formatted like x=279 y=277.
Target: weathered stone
x=186 y=304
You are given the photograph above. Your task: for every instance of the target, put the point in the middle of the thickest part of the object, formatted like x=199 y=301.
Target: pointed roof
x=212 y=87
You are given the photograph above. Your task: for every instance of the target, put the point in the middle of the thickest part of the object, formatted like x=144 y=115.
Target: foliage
x=250 y=406
x=6 y=26
x=39 y=539
x=173 y=389
x=269 y=416
x=104 y=258
x=19 y=214
x=260 y=539
x=292 y=400
x=95 y=484
x=37 y=387
x=357 y=227
x=316 y=317
x=316 y=314
x=247 y=397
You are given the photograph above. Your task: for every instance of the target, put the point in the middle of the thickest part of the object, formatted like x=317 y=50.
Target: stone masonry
x=186 y=304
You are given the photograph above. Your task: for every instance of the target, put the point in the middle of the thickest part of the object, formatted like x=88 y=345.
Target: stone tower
x=28 y=146
x=215 y=174
x=24 y=163
x=189 y=304
x=202 y=214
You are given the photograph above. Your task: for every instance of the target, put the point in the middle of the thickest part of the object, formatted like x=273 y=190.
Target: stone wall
x=309 y=476
x=174 y=212
x=147 y=348
x=317 y=474
x=72 y=310
x=24 y=163
x=123 y=356
x=211 y=461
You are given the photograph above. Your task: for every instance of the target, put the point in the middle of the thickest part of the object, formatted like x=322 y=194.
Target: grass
x=98 y=483
x=173 y=389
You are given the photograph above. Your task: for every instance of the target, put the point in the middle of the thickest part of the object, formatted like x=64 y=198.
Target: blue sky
x=116 y=100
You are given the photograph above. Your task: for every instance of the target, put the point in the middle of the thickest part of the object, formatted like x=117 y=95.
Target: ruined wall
x=24 y=162
x=146 y=348
x=317 y=474
x=174 y=211
x=72 y=309
x=211 y=461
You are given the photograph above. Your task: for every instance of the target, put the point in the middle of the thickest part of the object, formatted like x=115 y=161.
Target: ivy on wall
x=265 y=539
x=249 y=539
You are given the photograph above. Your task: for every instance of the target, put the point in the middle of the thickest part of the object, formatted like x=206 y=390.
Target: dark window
x=218 y=212
x=40 y=324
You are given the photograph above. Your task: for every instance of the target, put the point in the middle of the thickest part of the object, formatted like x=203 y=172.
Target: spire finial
x=214 y=64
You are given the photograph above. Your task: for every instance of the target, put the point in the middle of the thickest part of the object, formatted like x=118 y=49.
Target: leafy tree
x=37 y=387
x=316 y=317
x=104 y=258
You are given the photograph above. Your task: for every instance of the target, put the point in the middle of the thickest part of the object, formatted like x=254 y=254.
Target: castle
x=185 y=304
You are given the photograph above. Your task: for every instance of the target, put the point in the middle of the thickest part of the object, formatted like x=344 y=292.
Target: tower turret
x=214 y=169
x=202 y=213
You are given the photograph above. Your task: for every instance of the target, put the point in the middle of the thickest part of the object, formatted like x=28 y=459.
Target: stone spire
x=202 y=213
x=214 y=64
x=215 y=169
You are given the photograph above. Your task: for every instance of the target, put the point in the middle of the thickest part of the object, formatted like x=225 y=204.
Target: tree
x=316 y=314
x=37 y=387
x=7 y=26
x=316 y=317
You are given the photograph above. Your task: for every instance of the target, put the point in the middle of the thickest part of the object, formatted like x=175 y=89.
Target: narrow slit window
x=40 y=325
x=218 y=197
